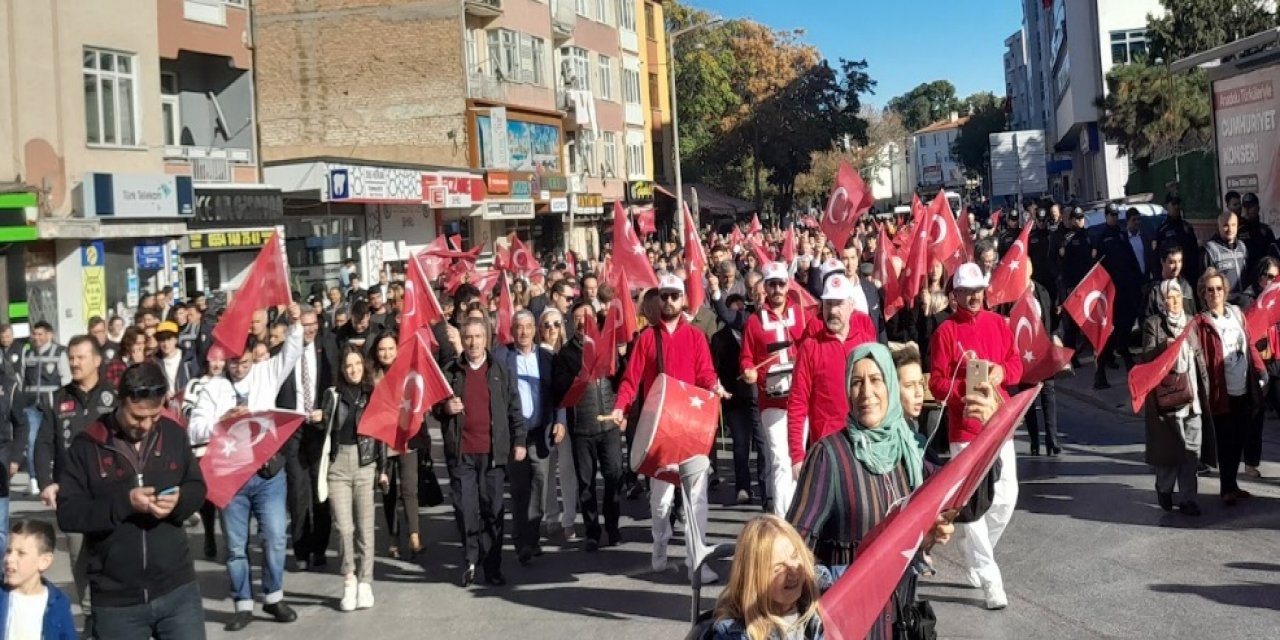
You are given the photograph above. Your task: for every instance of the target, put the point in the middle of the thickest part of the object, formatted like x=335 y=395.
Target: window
x=469 y=50
x=650 y=23
x=110 y=87
x=635 y=160
x=605 y=68
x=170 y=109
x=631 y=86
x=584 y=153
x=1128 y=46
x=539 y=61
x=603 y=12
x=577 y=67
x=584 y=8
x=516 y=57
x=609 y=159
x=654 y=92
x=627 y=15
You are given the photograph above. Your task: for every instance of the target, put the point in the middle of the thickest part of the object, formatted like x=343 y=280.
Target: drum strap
x=657 y=339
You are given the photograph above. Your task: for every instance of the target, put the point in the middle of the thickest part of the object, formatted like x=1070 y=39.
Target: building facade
x=936 y=166
x=1017 y=83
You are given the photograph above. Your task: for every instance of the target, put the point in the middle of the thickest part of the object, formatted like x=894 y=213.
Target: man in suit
x=301 y=392
x=531 y=368
x=1115 y=246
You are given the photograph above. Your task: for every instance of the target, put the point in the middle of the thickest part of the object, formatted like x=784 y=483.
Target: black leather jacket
x=335 y=410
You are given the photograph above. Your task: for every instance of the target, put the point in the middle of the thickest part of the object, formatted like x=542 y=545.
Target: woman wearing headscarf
x=1180 y=433
x=851 y=477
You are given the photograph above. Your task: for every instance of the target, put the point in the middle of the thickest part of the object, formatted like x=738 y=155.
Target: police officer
x=1075 y=259
x=1042 y=249
x=11 y=355
x=44 y=371
x=1175 y=230
x=1258 y=238
x=73 y=409
x=1122 y=265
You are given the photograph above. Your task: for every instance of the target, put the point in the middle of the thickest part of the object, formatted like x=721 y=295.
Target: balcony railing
x=486 y=8
x=563 y=19
x=482 y=86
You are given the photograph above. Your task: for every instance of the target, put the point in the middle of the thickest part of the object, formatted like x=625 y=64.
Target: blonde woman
x=551 y=336
x=773 y=586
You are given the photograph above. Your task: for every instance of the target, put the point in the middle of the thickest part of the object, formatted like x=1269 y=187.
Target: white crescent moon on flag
x=1017 y=244
x=942 y=234
x=842 y=194
x=1090 y=301
x=411 y=397
x=1023 y=323
x=410 y=300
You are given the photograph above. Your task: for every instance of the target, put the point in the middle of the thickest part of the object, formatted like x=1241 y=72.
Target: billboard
x=1018 y=163
x=1244 y=119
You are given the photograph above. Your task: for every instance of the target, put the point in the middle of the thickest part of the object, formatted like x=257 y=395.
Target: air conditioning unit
x=210 y=170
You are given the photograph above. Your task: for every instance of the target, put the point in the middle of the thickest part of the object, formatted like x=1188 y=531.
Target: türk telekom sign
x=1244 y=115
x=452 y=191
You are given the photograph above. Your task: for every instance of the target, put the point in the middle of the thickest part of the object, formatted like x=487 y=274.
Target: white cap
x=969 y=276
x=831 y=266
x=776 y=271
x=670 y=282
x=838 y=287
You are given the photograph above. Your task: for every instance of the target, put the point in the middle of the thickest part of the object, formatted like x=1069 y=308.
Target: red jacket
x=987 y=335
x=756 y=343
x=1212 y=345
x=817 y=387
x=685 y=357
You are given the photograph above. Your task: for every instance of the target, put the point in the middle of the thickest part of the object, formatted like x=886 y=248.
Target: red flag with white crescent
x=411 y=386
x=421 y=308
x=789 y=245
x=626 y=324
x=695 y=260
x=1143 y=378
x=1091 y=304
x=629 y=255
x=590 y=365
x=850 y=198
x=887 y=273
x=505 y=311
x=430 y=260
x=916 y=267
x=966 y=238
x=266 y=285
x=1264 y=313
x=522 y=261
x=945 y=244
x=239 y=446
x=645 y=220
x=1041 y=358
x=801 y=296
x=1013 y=275
x=851 y=607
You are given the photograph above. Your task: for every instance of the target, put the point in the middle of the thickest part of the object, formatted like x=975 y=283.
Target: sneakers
x=994 y=597
x=348 y=602
x=364 y=596
x=744 y=497
x=1252 y=472
x=658 y=559
x=33 y=487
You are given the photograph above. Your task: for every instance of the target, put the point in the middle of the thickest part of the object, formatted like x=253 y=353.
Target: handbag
x=915 y=619
x=1174 y=391
x=429 y=492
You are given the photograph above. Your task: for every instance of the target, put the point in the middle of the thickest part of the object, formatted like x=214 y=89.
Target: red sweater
x=686 y=356
x=756 y=341
x=817 y=387
x=987 y=335
x=476 y=427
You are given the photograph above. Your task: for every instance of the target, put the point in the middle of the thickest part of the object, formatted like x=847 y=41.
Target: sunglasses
x=776 y=284
x=1271 y=276
x=670 y=295
x=551 y=325
x=146 y=393
x=1214 y=289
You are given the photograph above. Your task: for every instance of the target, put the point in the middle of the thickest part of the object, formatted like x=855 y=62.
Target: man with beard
x=770 y=342
x=682 y=352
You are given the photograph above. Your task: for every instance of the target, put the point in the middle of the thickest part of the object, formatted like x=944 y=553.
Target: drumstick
x=604 y=418
x=764 y=362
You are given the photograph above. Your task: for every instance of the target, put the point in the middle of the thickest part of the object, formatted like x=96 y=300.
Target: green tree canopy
x=929 y=102
x=973 y=146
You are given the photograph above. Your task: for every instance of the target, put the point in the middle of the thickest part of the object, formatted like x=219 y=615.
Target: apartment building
x=936 y=166
x=1017 y=82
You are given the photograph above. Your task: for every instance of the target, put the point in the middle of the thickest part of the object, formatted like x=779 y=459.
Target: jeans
x=34 y=417
x=1230 y=429
x=4 y=523
x=263 y=499
x=402 y=471
x=178 y=614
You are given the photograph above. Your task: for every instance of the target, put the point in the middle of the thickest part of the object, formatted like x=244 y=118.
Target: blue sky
x=905 y=42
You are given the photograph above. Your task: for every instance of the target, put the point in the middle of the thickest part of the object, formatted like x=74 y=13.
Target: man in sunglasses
x=253 y=387
x=686 y=356
x=129 y=482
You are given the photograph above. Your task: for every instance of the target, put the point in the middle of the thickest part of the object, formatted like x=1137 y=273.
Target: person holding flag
x=676 y=348
x=252 y=387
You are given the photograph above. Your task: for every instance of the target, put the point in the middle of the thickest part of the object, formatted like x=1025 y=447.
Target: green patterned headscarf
x=880 y=447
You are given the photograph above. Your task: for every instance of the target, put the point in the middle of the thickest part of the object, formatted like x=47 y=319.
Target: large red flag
x=887 y=274
x=919 y=212
x=761 y=254
x=239 y=446
x=801 y=296
x=645 y=220
x=629 y=255
x=1096 y=290
x=966 y=237
x=412 y=385
x=945 y=244
x=505 y=311
x=627 y=322
x=1144 y=377
x=266 y=285
x=995 y=219
x=421 y=308
x=851 y=607
x=915 y=269
x=1013 y=275
x=432 y=263
x=522 y=261
x=850 y=198
x=1041 y=358
x=789 y=245
x=755 y=226
x=695 y=260
x=736 y=238
x=1264 y=313
x=598 y=354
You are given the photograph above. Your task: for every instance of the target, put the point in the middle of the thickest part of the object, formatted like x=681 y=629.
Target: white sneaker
x=348 y=602
x=972 y=578
x=708 y=576
x=33 y=487
x=1252 y=472
x=364 y=596
x=995 y=597
x=658 y=560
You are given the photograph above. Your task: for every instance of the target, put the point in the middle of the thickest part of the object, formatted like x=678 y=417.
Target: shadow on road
x=1254 y=595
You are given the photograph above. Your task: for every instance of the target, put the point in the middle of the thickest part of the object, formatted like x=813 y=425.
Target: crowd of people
x=817 y=381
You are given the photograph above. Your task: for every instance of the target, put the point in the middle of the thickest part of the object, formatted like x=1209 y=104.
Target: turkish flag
x=629 y=255
x=645 y=221
x=808 y=222
x=1013 y=275
x=762 y=256
x=966 y=237
x=802 y=297
x=239 y=446
x=1264 y=313
x=919 y=212
x=598 y=354
x=736 y=238
x=695 y=260
x=502 y=258
x=755 y=226
x=485 y=281
x=945 y=243
x=626 y=324
x=850 y=198
x=678 y=421
x=916 y=267
x=266 y=285
x=471 y=255
x=887 y=274
x=851 y=607
x=789 y=245
x=1143 y=378
x=1041 y=358
x=420 y=306
x=522 y=261
x=432 y=264
x=412 y=385
x=571 y=263
x=1096 y=290
x=505 y=310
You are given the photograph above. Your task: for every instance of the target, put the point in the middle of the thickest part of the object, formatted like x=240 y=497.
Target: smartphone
x=170 y=491
x=976 y=372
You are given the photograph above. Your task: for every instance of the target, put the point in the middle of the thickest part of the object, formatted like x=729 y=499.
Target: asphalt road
x=1088 y=555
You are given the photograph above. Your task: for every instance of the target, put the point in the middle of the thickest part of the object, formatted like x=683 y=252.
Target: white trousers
x=662 y=496
x=978 y=539
x=562 y=459
x=782 y=486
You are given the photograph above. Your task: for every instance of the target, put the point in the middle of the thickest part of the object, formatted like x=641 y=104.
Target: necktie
x=306 y=384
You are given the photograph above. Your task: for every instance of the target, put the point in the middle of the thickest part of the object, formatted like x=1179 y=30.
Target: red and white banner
x=1041 y=358
x=850 y=198
x=239 y=446
x=629 y=255
x=1013 y=275
x=1145 y=377
x=266 y=285
x=412 y=385
x=695 y=259
x=1090 y=305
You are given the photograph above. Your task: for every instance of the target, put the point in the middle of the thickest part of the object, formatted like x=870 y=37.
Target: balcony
x=482 y=86
x=563 y=19
x=483 y=8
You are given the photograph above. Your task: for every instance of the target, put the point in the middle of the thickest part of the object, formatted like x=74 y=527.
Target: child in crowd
x=31 y=607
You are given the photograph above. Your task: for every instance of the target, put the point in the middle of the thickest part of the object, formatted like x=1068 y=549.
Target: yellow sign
x=95 y=291
x=228 y=240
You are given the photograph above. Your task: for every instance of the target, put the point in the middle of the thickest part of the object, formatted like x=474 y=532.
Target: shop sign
x=509 y=211
x=229 y=208
x=120 y=195
x=362 y=183
x=149 y=256
x=498 y=182
x=522 y=189
x=560 y=205
x=555 y=182
x=228 y=240
x=640 y=192
x=93 y=273
x=452 y=192
x=588 y=204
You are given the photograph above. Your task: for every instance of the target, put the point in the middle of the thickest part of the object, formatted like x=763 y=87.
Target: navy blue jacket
x=58 y=623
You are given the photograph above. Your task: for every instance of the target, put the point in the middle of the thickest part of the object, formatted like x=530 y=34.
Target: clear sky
x=905 y=42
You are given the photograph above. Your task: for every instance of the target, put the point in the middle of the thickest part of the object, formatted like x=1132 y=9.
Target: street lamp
x=675 y=113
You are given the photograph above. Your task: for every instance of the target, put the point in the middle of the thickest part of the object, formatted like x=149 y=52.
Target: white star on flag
x=696 y=402
x=910 y=552
x=1013 y=265
x=228 y=447
x=637 y=249
x=1028 y=356
x=1271 y=303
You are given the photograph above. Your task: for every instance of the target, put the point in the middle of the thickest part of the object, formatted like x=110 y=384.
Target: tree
x=926 y=104
x=1191 y=26
x=973 y=146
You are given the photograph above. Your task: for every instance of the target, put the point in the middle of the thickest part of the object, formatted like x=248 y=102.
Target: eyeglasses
x=1270 y=276
x=1214 y=289
x=776 y=284
x=146 y=393
x=551 y=325
x=670 y=295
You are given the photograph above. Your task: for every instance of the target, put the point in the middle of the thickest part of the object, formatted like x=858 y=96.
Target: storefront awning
x=710 y=200
x=93 y=229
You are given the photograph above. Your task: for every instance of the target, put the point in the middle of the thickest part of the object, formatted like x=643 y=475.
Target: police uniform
x=71 y=412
